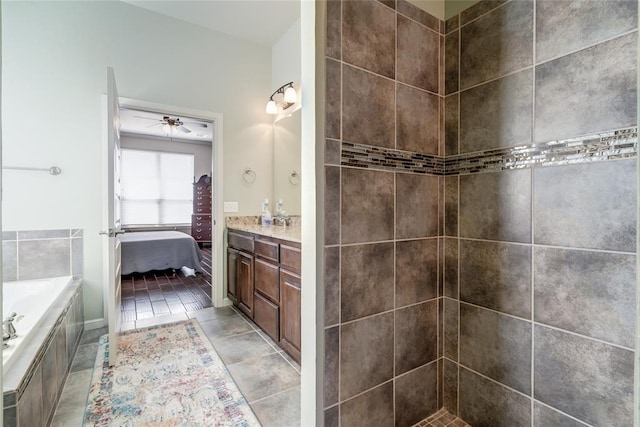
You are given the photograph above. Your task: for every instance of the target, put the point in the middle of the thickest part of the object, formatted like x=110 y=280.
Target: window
x=156 y=187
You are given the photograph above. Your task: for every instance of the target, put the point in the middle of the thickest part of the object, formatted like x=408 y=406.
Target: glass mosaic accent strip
x=367 y=156
x=617 y=144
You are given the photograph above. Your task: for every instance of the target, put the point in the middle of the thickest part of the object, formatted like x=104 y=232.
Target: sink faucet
x=281 y=219
x=8 y=328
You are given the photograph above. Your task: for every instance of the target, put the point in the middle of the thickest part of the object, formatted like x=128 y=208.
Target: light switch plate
x=231 y=206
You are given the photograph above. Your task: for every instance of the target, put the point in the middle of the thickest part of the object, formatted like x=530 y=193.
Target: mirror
x=286 y=163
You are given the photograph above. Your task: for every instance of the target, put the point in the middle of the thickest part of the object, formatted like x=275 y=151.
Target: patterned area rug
x=167 y=375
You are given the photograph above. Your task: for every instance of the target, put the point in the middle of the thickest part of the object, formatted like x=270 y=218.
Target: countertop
x=290 y=233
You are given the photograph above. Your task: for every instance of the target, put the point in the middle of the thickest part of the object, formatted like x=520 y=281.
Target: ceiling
x=258 y=21
x=149 y=123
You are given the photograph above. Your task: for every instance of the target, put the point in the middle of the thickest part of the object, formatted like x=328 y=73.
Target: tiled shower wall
x=384 y=90
x=37 y=254
x=540 y=262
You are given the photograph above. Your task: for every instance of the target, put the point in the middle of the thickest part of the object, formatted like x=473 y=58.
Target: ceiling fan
x=173 y=125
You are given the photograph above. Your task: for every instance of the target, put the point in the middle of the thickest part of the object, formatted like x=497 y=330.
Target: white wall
x=201 y=151
x=55 y=56
x=286 y=67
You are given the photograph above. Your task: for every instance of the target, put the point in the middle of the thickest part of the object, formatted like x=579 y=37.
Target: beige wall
x=55 y=56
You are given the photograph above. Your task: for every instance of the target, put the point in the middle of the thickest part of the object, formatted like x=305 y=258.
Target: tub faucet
x=8 y=328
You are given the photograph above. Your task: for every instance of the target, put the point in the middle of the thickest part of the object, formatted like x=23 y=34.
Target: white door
x=111 y=217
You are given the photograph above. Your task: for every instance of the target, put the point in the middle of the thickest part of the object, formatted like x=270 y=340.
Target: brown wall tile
x=331 y=365
x=331 y=286
x=543 y=416
x=417 y=115
x=496 y=275
x=374 y=407
x=587 y=292
x=334 y=29
x=451 y=268
x=368 y=108
x=451 y=124
x=589 y=380
x=450 y=387
x=416 y=206
x=451 y=206
x=367 y=205
x=497 y=43
x=418 y=57
x=332 y=205
x=366 y=354
x=486 y=403
x=586 y=206
x=450 y=335
x=333 y=100
x=589 y=91
x=416 y=395
x=366 y=280
x=497 y=346
x=416 y=271
x=564 y=27
x=451 y=62
x=419 y=15
x=369 y=36
x=416 y=331
x=496 y=206
x=497 y=114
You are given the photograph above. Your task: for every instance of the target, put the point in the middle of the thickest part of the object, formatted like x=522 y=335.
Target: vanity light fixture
x=289 y=97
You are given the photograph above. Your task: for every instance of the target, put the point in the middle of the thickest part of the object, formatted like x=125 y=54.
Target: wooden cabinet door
x=290 y=314
x=267 y=280
x=245 y=283
x=232 y=274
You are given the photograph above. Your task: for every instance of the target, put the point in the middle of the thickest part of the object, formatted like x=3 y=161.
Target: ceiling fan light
x=290 y=95
x=272 y=108
x=166 y=129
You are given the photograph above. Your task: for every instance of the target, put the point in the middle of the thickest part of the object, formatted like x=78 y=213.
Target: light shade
x=290 y=95
x=167 y=129
x=272 y=108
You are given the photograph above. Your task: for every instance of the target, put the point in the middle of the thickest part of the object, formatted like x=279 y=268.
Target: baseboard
x=94 y=324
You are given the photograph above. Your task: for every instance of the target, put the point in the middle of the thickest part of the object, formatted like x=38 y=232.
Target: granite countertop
x=291 y=233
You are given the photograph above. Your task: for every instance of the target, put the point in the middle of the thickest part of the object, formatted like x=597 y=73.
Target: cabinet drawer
x=290 y=258
x=268 y=250
x=240 y=241
x=202 y=209
x=267 y=279
x=267 y=316
x=201 y=218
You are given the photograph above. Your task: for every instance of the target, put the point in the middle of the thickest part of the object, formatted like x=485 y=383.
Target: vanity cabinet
x=263 y=280
x=240 y=271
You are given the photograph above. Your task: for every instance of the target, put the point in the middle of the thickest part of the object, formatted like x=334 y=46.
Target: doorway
x=218 y=297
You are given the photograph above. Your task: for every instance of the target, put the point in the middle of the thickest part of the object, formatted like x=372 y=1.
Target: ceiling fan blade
x=146 y=118
x=202 y=125
x=152 y=126
x=184 y=129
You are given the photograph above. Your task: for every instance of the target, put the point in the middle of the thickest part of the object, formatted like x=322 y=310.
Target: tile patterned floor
x=268 y=377
x=165 y=293
x=442 y=418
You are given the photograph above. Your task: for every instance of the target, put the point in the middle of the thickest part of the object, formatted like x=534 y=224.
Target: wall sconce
x=289 y=97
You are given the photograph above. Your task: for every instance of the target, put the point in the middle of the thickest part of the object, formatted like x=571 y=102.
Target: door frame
x=218 y=297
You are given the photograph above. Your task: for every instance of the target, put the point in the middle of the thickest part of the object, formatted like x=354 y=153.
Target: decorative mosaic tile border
x=367 y=156
x=617 y=144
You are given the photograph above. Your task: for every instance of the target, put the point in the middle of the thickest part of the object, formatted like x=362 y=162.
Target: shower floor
x=442 y=418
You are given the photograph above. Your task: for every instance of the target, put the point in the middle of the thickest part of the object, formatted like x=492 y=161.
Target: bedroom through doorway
x=169 y=159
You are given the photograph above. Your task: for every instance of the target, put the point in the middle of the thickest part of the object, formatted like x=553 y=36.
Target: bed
x=159 y=250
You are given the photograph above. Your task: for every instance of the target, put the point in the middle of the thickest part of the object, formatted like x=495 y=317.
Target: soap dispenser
x=266 y=215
